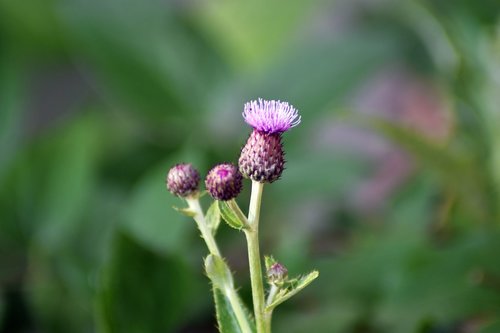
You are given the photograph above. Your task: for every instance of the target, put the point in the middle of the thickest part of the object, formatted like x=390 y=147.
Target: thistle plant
x=262 y=161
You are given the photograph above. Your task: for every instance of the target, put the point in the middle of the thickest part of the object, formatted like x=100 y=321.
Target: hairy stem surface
x=206 y=234
x=229 y=291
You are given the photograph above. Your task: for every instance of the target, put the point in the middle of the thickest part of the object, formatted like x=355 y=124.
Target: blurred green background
x=392 y=181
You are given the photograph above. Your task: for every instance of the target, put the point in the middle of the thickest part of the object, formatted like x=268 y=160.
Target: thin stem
x=269 y=313
x=236 y=209
x=272 y=294
x=252 y=235
x=199 y=217
x=206 y=234
x=255 y=200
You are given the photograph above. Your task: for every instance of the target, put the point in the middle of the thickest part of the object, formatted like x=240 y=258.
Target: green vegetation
x=98 y=98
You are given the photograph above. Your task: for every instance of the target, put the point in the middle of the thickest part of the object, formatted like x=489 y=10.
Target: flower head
x=224 y=182
x=270 y=116
x=262 y=158
x=277 y=274
x=183 y=180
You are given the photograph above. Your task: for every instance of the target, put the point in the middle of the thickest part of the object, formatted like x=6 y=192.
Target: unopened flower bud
x=224 y=182
x=183 y=180
x=262 y=158
x=277 y=274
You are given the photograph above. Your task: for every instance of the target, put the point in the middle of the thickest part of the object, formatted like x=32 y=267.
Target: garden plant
x=262 y=161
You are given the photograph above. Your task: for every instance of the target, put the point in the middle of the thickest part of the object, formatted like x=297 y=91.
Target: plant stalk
x=272 y=293
x=252 y=236
x=199 y=217
x=229 y=291
x=269 y=313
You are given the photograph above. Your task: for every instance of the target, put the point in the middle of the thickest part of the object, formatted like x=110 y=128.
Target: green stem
x=252 y=235
x=272 y=294
x=199 y=217
x=206 y=234
x=269 y=313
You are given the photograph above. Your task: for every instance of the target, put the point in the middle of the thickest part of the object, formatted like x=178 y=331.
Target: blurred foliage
x=99 y=98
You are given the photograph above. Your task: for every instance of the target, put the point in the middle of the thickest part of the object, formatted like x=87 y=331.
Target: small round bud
x=262 y=158
x=277 y=274
x=224 y=182
x=183 y=180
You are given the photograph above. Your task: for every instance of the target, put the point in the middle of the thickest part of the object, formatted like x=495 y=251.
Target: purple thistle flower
x=262 y=159
x=270 y=116
x=224 y=182
x=183 y=180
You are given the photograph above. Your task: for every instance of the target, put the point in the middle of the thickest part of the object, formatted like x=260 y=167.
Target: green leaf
x=231 y=27
x=226 y=318
x=141 y=291
x=213 y=217
x=293 y=289
x=70 y=181
x=11 y=117
x=185 y=211
x=447 y=164
x=218 y=272
x=232 y=214
x=222 y=280
x=140 y=72
x=491 y=327
x=269 y=261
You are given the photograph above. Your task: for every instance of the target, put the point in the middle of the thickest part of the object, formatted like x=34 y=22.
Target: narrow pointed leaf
x=231 y=213
x=447 y=164
x=213 y=217
x=222 y=280
x=226 y=318
x=269 y=261
x=292 y=290
x=186 y=211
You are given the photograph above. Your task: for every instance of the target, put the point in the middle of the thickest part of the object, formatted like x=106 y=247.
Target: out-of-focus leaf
x=149 y=216
x=320 y=72
x=399 y=277
x=232 y=27
x=32 y=24
x=72 y=158
x=60 y=292
x=143 y=56
x=326 y=319
x=142 y=291
x=456 y=171
x=491 y=327
x=334 y=173
x=11 y=96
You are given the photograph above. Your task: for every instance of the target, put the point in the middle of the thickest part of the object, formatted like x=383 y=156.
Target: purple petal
x=270 y=116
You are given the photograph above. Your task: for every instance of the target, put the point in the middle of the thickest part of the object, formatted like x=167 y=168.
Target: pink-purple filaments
x=270 y=116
